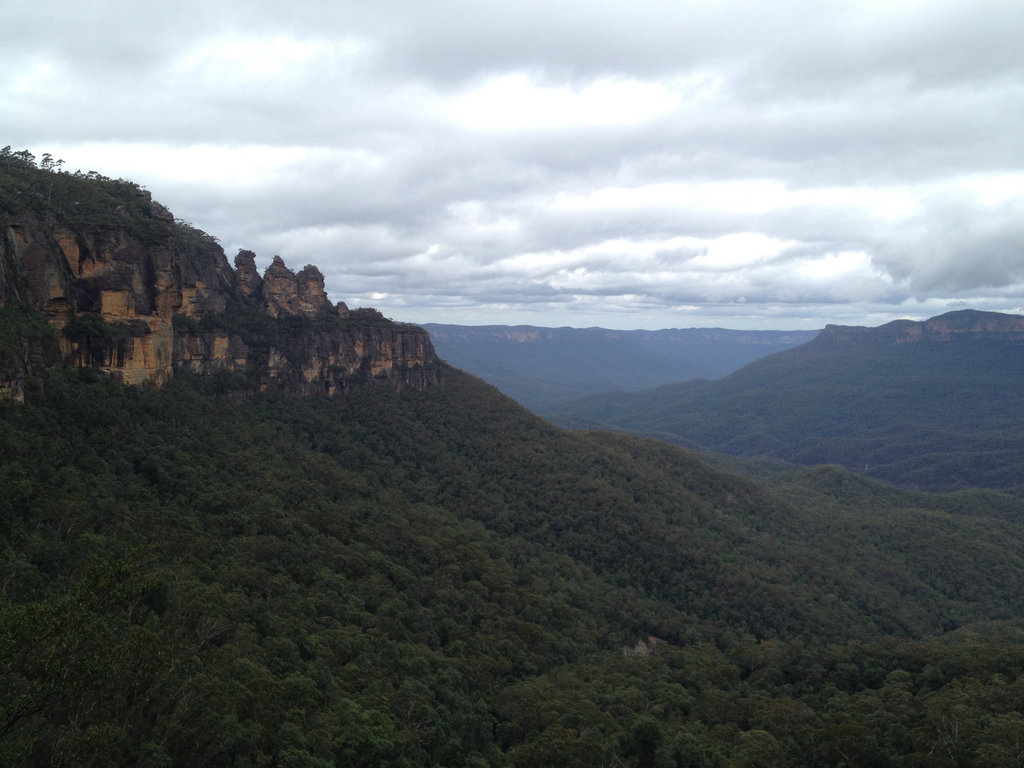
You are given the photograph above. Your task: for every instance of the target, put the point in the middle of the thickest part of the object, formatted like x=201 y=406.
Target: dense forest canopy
x=439 y=577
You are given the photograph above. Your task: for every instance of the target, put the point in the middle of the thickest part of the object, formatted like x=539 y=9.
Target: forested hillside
x=933 y=405
x=196 y=575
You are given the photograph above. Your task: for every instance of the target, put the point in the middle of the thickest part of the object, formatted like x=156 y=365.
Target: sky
x=642 y=164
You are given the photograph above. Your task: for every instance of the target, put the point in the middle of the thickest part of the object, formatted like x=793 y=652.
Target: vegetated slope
x=438 y=577
x=542 y=366
x=932 y=405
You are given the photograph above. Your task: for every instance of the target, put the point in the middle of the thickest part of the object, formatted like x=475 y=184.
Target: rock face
x=141 y=296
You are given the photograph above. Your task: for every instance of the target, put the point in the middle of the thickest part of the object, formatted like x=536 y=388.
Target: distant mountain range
x=542 y=366
x=933 y=405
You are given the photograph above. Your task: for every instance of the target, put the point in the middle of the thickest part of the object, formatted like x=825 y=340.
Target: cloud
x=635 y=165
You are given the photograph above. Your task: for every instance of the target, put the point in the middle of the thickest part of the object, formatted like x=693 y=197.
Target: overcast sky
x=622 y=164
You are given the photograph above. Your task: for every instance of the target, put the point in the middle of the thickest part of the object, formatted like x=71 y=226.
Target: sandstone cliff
x=130 y=290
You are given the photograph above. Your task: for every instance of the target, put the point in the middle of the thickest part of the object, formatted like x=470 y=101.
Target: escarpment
x=965 y=325
x=128 y=289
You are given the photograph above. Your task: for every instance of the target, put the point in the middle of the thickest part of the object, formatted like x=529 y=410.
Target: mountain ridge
x=949 y=326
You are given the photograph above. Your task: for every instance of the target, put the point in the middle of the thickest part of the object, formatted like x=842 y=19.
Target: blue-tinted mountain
x=541 y=366
x=933 y=404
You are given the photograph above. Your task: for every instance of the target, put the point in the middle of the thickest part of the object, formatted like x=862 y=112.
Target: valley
x=931 y=405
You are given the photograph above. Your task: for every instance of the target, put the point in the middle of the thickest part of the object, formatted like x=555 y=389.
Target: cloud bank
x=638 y=165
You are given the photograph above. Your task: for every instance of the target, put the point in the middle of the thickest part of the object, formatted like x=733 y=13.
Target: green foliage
x=77 y=200
x=441 y=578
x=26 y=342
x=90 y=327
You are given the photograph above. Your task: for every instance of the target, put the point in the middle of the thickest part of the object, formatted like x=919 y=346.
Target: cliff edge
x=127 y=288
x=959 y=325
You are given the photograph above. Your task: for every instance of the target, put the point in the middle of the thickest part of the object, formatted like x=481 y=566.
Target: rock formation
x=130 y=290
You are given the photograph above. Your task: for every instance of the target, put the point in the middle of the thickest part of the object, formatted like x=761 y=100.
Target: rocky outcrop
x=285 y=293
x=247 y=278
x=140 y=295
